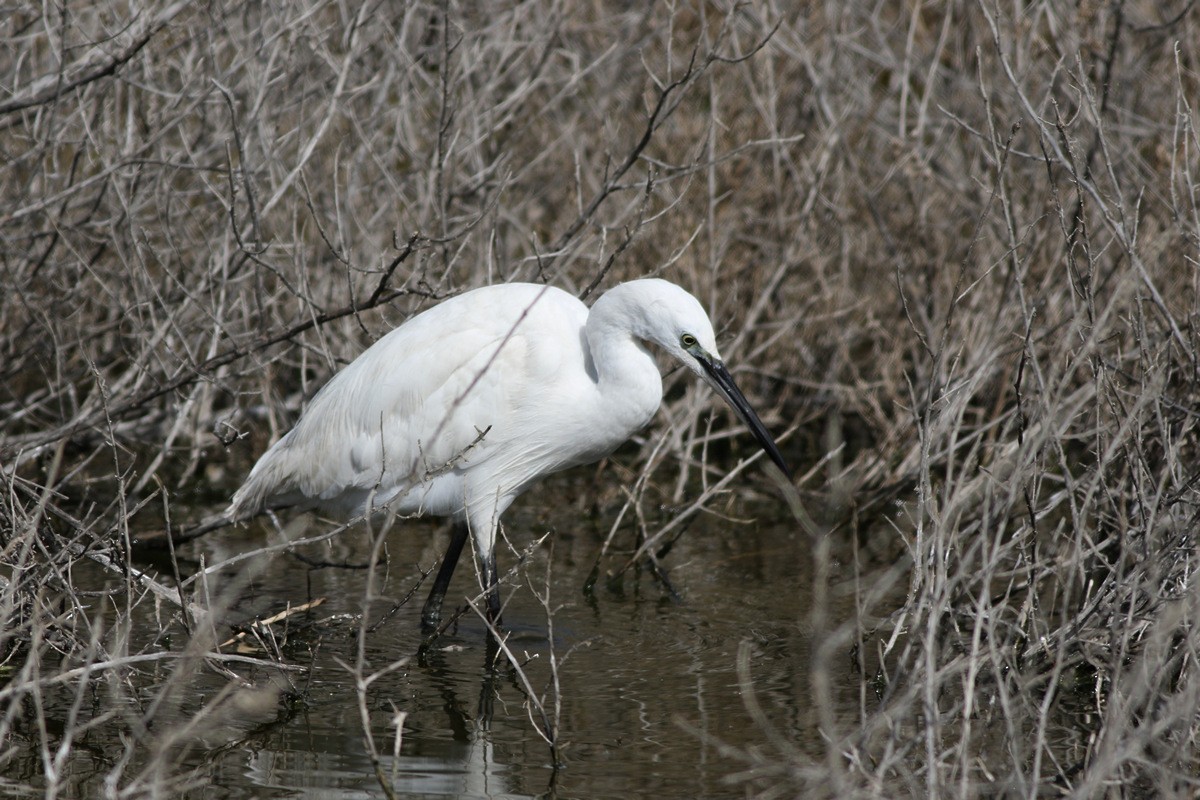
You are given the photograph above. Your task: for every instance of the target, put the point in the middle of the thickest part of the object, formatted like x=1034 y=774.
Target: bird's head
x=667 y=315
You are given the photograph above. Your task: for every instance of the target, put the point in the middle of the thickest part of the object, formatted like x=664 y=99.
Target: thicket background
x=950 y=247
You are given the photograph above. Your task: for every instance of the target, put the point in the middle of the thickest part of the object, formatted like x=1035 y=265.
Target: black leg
x=492 y=578
x=431 y=614
x=491 y=581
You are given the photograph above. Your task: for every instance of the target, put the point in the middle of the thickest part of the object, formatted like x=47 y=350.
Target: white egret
x=464 y=406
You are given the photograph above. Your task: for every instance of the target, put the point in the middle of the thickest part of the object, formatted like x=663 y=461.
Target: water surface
x=648 y=682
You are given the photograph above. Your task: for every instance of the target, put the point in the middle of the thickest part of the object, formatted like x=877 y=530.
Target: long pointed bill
x=722 y=381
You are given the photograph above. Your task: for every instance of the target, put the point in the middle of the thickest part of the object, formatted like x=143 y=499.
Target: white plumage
x=461 y=408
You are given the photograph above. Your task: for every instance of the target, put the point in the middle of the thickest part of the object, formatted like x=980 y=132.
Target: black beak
x=722 y=381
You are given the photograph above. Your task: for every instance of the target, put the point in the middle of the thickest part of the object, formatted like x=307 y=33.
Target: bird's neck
x=624 y=370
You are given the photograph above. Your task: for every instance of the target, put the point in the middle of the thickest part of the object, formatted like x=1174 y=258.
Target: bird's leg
x=492 y=582
x=431 y=614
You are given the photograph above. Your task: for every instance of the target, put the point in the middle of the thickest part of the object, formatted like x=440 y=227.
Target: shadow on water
x=638 y=669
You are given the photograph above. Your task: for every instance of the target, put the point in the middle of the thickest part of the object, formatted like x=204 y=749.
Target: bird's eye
x=688 y=341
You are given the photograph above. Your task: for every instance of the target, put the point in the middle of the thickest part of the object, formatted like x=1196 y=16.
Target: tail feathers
x=248 y=501
x=270 y=485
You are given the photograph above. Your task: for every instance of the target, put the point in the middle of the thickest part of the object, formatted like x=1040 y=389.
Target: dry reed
x=953 y=248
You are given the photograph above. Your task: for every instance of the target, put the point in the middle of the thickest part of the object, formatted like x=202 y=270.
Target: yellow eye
x=688 y=341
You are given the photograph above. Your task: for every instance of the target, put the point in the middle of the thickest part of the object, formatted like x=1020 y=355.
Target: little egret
x=464 y=406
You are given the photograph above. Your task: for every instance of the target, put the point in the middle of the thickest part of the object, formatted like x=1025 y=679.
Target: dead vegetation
x=953 y=246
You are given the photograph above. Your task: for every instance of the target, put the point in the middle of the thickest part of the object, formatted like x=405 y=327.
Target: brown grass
x=953 y=247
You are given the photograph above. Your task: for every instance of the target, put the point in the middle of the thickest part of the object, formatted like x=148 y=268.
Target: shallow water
x=648 y=678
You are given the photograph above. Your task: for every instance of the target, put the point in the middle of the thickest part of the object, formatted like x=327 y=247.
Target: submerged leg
x=431 y=614
x=491 y=580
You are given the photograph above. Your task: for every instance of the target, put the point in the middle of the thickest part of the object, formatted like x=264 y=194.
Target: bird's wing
x=434 y=396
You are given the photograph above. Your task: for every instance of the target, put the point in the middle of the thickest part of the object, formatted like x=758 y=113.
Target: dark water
x=648 y=681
